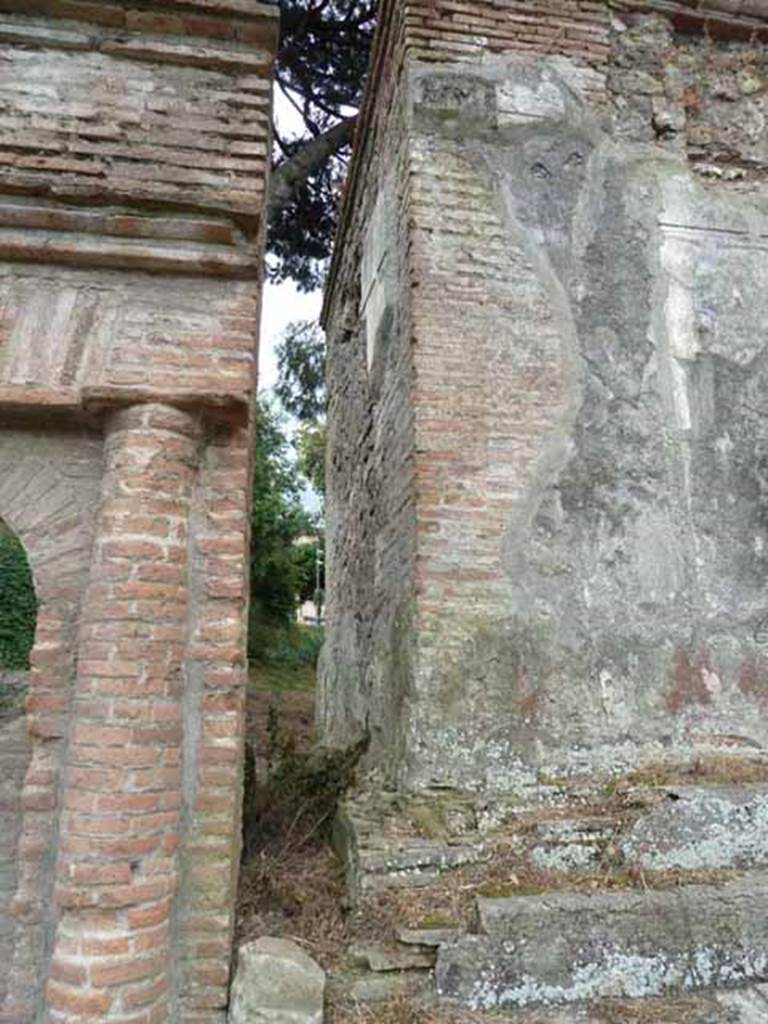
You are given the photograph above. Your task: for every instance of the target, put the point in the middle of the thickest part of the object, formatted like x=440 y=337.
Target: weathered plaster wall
x=591 y=581
x=132 y=170
x=585 y=261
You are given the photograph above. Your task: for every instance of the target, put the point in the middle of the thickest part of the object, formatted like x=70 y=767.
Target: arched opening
x=49 y=492
x=18 y=616
x=18 y=603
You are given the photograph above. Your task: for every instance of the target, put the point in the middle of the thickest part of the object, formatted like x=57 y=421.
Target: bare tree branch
x=290 y=174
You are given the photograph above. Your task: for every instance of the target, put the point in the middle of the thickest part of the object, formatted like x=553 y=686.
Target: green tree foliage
x=301 y=370
x=322 y=62
x=301 y=390
x=277 y=521
x=310 y=449
x=306 y=561
x=18 y=604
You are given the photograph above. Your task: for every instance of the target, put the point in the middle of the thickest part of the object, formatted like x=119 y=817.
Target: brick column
x=117 y=870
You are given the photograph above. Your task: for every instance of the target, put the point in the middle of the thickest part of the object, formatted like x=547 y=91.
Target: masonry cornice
x=735 y=11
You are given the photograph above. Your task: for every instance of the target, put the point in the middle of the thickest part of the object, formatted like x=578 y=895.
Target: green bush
x=298 y=645
x=293 y=807
x=277 y=521
x=18 y=604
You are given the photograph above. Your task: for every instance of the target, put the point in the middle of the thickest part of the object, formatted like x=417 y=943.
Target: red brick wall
x=132 y=173
x=188 y=126
x=446 y=30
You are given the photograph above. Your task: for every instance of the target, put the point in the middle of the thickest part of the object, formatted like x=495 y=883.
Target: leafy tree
x=307 y=556
x=18 y=604
x=301 y=390
x=301 y=370
x=277 y=520
x=310 y=447
x=321 y=66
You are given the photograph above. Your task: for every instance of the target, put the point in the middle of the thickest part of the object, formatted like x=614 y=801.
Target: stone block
x=427 y=936
x=276 y=982
x=700 y=827
x=565 y=947
x=381 y=958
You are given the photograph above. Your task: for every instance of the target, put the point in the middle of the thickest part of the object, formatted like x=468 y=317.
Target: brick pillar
x=117 y=870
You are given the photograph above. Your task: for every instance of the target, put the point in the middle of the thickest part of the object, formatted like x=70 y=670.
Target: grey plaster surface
x=633 y=618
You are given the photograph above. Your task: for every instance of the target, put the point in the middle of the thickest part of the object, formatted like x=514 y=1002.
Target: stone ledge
x=231 y=409
x=36 y=213
x=112 y=253
x=735 y=18
x=218 y=405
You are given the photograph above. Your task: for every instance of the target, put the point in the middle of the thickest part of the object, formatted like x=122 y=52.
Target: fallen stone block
x=276 y=982
x=426 y=935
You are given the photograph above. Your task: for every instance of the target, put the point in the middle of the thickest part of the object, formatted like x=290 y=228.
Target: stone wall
x=584 y=577
x=132 y=173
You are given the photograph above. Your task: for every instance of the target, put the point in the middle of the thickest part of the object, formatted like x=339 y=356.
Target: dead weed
x=291 y=883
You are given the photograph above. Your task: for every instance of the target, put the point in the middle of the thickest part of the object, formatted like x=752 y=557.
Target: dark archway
x=18 y=616
x=18 y=603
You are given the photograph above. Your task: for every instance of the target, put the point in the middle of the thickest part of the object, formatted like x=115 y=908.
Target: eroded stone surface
x=701 y=827
x=564 y=947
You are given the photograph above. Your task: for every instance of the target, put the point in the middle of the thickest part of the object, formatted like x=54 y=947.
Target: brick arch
x=48 y=497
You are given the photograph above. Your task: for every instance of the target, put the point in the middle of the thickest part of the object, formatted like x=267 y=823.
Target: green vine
x=18 y=604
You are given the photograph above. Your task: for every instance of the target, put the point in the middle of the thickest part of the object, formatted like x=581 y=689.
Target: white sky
x=282 y=303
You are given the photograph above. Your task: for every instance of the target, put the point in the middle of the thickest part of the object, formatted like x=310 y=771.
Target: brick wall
x=14 y=758
x=132 y=174
x=371 y=512
x=494 y=367
x=188 y=126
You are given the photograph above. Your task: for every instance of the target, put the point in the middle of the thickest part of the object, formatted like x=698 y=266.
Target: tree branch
x=291 y=174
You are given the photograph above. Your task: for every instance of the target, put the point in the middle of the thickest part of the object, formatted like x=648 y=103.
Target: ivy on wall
x=18 y=604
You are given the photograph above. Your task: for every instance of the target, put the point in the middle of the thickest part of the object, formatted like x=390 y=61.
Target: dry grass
x=401 y=1010
x=404 y=1010
x=292 y=884
x=713 y=769
x=299 y=895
